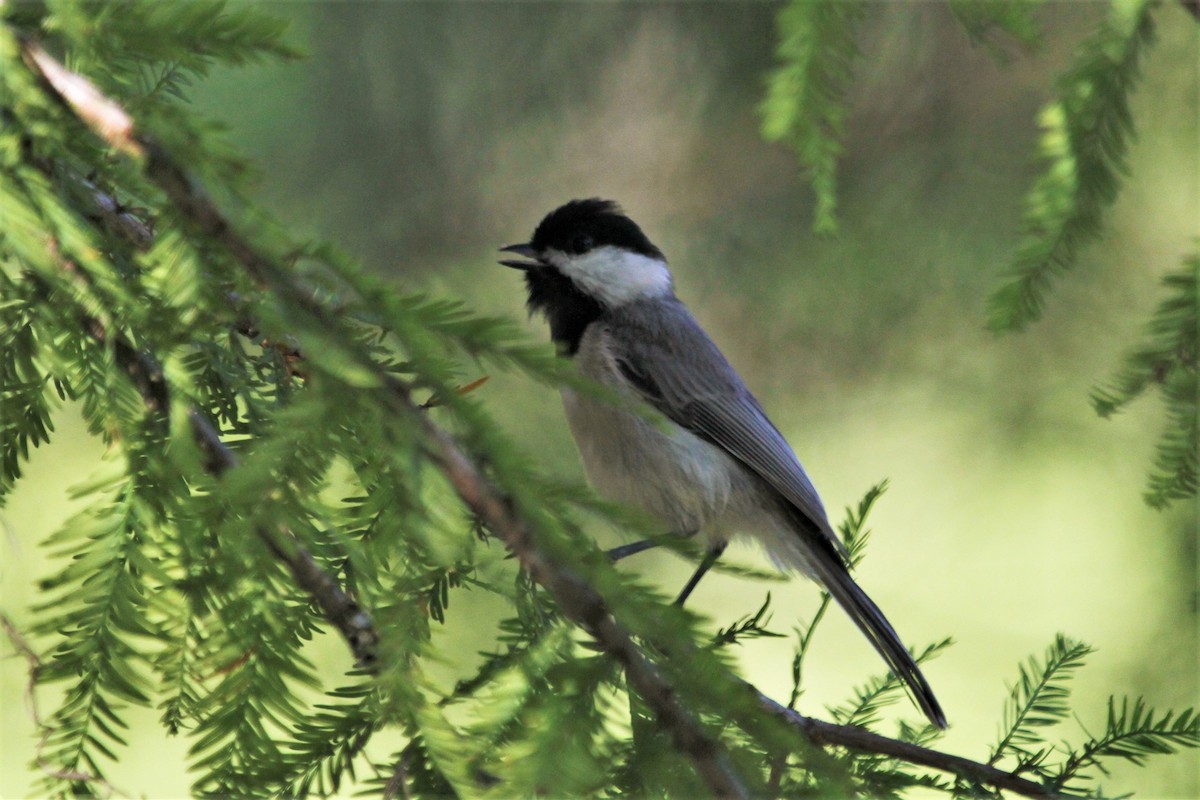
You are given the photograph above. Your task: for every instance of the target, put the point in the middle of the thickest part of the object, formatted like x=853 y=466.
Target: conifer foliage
x=1167 y=358
x=804 y=106
x=293 y=449
x=1086 y=132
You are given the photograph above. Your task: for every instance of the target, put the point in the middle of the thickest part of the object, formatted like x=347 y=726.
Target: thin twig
x=336 y=606
x=855 y=738
x=341 y=610
x=32 y=659
x=45 y=730
x=399 y=780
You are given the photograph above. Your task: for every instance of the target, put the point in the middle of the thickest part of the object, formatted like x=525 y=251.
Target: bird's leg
x=617 y=553
x=710 y=558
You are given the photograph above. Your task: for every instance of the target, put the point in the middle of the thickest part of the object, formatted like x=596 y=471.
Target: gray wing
x=665 y=354
x=673 y=364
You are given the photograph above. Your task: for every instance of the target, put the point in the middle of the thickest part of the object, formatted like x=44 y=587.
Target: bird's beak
x=525 y=251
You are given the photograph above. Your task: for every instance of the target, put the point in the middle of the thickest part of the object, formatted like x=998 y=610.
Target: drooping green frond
x=95 y=613
x=1169 y=358
x=329 y=742
x=180 y=664
x=804 y=106
x=542 y=699
x=26 y=390
x=1085 y=135
x=983 y=18
x=256 y=667
x=1039 y=697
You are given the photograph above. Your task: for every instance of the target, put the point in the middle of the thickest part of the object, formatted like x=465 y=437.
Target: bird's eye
x=582 y=243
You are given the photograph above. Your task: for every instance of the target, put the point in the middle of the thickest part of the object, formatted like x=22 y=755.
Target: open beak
x=525 y=251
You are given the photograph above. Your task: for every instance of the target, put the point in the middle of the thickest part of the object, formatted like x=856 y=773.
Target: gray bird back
x=678 y=369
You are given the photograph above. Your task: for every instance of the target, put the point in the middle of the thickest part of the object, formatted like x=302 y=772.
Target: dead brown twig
x=45 y=730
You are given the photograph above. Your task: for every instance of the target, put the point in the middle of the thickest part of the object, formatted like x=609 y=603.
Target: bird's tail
x=871 y=621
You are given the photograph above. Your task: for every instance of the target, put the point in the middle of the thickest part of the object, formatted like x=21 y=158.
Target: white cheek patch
x=615 y=276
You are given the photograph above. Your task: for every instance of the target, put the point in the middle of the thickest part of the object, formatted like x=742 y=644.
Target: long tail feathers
x=871 y=621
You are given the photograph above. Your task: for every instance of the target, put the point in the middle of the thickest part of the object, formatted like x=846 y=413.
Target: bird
x=716 y=464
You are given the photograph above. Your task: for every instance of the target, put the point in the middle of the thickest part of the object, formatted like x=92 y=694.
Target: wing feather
x=677 y=368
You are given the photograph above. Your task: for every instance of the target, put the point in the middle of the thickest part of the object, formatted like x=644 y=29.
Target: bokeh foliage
x=1086 y=131
x=167 y=598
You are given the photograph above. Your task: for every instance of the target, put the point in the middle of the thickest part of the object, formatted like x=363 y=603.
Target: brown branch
x=578 y=600
x=581 y=604
x=109 y=120
x=853 y=737
x=143 y=370
x=336 y=606
x=398 y=783
x=1192 y=7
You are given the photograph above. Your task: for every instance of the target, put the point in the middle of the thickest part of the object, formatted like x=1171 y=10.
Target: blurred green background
x=423 y=136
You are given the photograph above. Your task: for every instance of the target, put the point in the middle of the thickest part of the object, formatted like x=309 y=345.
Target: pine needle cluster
x=1085 y=134
x=804 y=106
x=1169 y=359
x=294 y=449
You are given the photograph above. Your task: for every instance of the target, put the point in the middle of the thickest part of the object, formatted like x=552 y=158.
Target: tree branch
x=583 y=605
x=578 y=600
x=341 y=610
x=336 y=606
x=853 y=737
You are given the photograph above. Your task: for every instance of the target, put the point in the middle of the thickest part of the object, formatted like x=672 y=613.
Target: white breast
x=663 y=468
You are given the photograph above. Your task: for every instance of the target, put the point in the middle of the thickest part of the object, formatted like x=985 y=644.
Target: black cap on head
x=582 y=225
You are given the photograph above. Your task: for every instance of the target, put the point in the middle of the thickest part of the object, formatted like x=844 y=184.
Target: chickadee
x=719 y=465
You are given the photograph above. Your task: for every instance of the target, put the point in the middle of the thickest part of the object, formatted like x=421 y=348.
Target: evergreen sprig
x=1086 y=132
x=1039 y=698
x=1169 y=358
x=855 y=535
x=96 y=607
x=751 y=626
x=328 y=743
x=804 y=104
x=1085 y=135
x=28 y=395
x=1133 y=731
x=879 y=692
